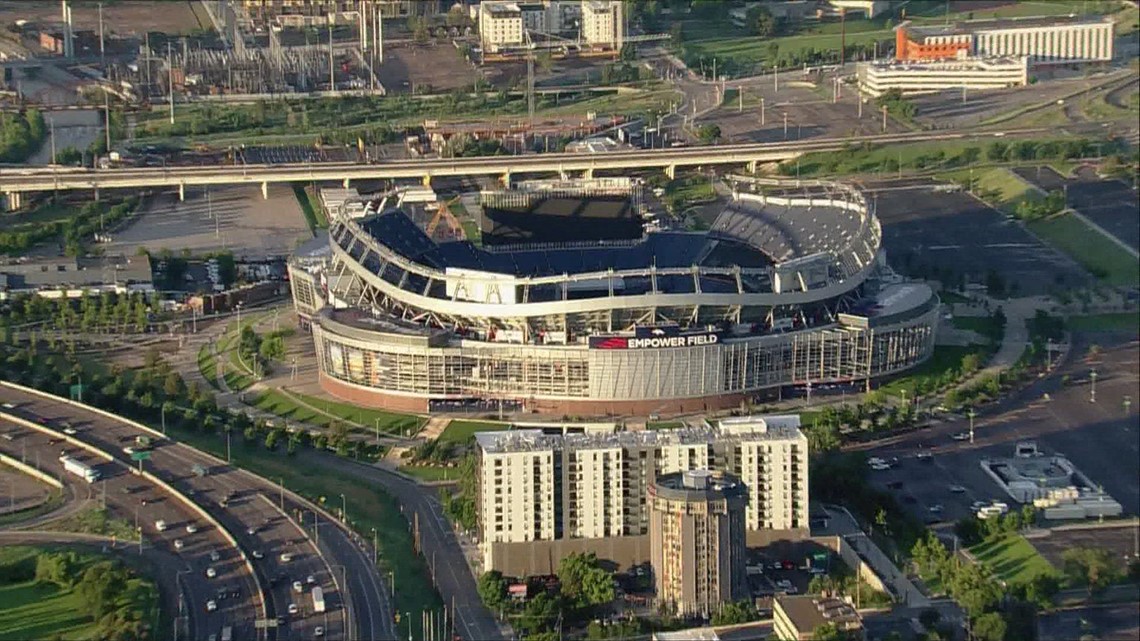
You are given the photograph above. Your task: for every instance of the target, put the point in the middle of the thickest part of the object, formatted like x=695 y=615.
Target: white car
x=178 y=544
x=211 y=605
x=251 y=531
x=293 y=608
x=297 y=587
x=318 y=631
x=956 y=489
x=286 y=557
x=935 y=509
x=191 y=528
x=211 y=573
x=70 y=431
x=214 y=556
x=961 y=436
x=258 y=554
x=880 y=467
x=310 y=579
x=977 y=505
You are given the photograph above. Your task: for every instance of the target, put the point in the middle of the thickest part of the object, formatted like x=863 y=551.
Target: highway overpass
x=16 y=181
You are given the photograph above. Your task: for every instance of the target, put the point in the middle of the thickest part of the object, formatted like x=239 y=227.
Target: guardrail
x=31 y=471
x=194 y=507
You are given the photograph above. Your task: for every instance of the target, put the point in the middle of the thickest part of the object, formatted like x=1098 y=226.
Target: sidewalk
x=844 y=524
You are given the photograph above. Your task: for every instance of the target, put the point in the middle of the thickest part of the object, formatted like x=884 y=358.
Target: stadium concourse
x=578 y=301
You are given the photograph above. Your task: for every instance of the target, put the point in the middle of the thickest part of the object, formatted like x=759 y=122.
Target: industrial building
x=1044 y=41
x=543 y=496
x=696 y=540
x=614 y=315
x=969 y=74
x=76 y=277
x=297 y=13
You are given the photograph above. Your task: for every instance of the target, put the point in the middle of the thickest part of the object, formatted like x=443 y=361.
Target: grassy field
x=460 y=431
x=944 y=362
x=95 y=521
x=311 y=208
x=1122 y=322
x=1101 y=257
x=208 y=366
x=31 y=611
x=935 y=10
x=749 y=54
x=983 y=325
x=1012 y=559
x=1003 y=189
x=300 y=407
x=664 y=425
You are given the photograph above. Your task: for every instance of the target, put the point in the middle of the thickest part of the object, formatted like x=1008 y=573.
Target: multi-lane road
x=286 y=560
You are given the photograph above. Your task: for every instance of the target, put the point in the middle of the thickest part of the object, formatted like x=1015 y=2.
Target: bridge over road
x=16 y=181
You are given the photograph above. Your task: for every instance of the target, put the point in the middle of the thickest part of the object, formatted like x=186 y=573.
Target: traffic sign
x=140 y=455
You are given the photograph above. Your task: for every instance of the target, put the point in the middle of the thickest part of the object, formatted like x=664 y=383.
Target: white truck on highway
x=79 y=468
x=318 y=599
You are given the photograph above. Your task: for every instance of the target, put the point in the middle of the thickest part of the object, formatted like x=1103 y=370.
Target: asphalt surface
x=252 y=504
x=958 y=234
x=1102 y=439
x=134 y=498
x=1118 y=622
x=1110 y=204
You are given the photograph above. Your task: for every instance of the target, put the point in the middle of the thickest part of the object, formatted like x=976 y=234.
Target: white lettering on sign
x=691 y=340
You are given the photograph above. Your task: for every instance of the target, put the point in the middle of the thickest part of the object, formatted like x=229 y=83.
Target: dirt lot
x=137 y=16
x=441 y=66
x=1120 y=540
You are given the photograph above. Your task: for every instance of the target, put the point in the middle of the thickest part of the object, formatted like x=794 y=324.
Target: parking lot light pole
x=1127 y=403
x=1092 y=391
x=343 y=508
x=971 y=414
x=375 y=548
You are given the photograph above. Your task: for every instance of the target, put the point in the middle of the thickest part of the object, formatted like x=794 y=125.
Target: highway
x=257 y=515
x=18 y=180
x=126 y=494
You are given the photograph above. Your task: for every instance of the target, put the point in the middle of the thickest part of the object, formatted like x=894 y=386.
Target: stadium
x=578 y=301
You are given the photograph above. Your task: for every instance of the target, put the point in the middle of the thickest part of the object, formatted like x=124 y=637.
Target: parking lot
x=1121 y=540
x=1099 y=438
x=782 y=567
x=1110 y=204
x=927 y=233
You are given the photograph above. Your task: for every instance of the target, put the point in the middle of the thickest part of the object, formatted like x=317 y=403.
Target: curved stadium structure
x=573 y=304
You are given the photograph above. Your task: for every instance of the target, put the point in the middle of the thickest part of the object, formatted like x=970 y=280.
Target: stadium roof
x=660 y=249
x=1001 y=24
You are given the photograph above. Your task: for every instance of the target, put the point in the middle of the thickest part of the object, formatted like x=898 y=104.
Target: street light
x=375 y=548
x=343 y=509
x=971 y=414
x=1127 y=403
x=1092 y=391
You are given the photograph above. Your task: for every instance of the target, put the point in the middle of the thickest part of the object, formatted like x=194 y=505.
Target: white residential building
x=603 y=24
x=500 y=25
x=544 y=495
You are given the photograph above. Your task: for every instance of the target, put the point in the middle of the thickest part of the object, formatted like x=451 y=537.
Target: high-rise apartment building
x=500 y=25
x=603 y=24
x=696 y=539
x=543 y=496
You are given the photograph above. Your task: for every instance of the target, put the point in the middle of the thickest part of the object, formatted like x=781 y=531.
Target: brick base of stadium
x=369 y=397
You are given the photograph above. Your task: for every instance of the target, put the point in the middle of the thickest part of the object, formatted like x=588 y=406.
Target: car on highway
x=956 y=489
x=935 y=509
x=961 y=436
x=251 y=530
x=211 y=605
x=191 y=528
x=880 y=467
x=925 y=457
x=70 y=431
x=258 y=554
x=211 y=573
x=178 y=545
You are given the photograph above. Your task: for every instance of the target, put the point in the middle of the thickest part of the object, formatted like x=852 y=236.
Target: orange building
x=930 y=47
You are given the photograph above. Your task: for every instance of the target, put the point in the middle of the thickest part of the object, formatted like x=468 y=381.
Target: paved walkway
x=843 y=523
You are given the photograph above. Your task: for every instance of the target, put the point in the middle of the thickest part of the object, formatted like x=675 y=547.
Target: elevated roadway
x=14 y=181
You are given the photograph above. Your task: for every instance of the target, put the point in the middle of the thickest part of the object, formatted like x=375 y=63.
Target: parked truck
x=79 y=468
x=318 y=599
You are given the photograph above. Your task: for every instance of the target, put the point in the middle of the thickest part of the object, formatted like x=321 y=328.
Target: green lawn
x=95 y=521
x=1125 y=321
x=300 y=407
x=935 y=10
x=31 y=611
x=944 y=365
x=460 y=431
x=983 y=325
x=471 y=231
x=1101 y=257
x=664 y=425
x=750 y=54
x=311 y=208
x=1003 y=189
x=1012 y=559
x=208 y=366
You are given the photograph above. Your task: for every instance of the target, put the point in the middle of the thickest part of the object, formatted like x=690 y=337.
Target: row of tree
x=119 y=313
x=74 y=232
x=21 y=135
x=108 y=592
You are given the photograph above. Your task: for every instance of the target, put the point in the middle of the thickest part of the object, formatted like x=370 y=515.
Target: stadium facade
x=576 y=302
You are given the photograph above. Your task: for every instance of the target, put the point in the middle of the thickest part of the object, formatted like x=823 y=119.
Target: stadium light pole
x=1092 y=390
x=971 y=414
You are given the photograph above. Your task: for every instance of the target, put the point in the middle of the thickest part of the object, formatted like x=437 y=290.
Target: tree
x=492 y=589
x=989 y=627
x=1096 y=568
x=708 y=134
x=735 y=613
x=827 y=632
x=584 y=582
x=1042 y=588
x=763 y=23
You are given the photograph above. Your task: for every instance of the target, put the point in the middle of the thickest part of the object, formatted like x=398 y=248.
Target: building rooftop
x=974 y=26
x=75 y=272
x=807 y=613
x=698 y=485
x=957 y=64
x=502 y=9
x=743 y=429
